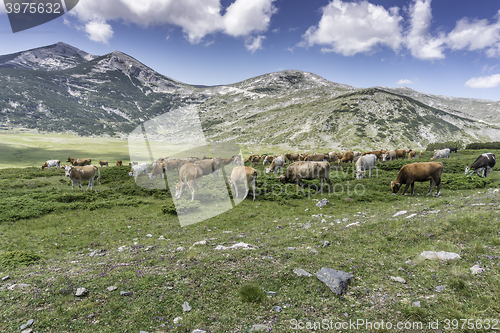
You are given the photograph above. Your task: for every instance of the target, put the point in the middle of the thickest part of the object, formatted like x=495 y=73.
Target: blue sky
x=439 y=47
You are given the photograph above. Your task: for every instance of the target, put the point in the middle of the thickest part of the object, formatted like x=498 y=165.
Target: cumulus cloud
x=484 y=81
x=197 y=18
x=357 y=27
x=254 y=44
x=476 y=35
x=404 y=81
x=421 y=43
x=99 y=31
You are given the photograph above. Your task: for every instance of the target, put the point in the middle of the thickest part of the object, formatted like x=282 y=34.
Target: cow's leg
x=191 y=184
x=433 y=183
x=253 y=188
x=438 y=182
x=406 y=187
x=73 y=184
x=80 y=185
x=91 y=183
x=488 y=170
x=235 y=186
x=413 y=188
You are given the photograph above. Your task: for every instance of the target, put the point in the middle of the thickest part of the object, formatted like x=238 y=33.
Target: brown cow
x=317 y=158
x=103 y=163
x=158 y=169
x=412 y=154
x=188 y=174
x=79 y=161
x=81 y=173
x=419 y=172
x=307 y=170
x=277 y=164
x=211 y=166
x=292 y=157
x=243 y=175
x=347 y=157
x=119 y=163
x=378 y=153
x=255 y=159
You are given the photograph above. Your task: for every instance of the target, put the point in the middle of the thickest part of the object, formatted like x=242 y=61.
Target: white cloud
x=476 y=35
x=254 y=44
x=484 y=81
x=355 y=27
x=404 y=81
x=99 y=31
x=419 y=40
x=197 y=18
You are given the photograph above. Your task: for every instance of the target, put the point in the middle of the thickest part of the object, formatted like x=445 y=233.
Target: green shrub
x=251 y=293
x=14 y=259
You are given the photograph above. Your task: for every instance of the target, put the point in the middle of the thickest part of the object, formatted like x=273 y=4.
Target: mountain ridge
x=114 y=93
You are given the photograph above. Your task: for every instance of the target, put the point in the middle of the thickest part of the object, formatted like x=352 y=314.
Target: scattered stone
x=326 y=243
x=258 y=327
x=398 y=295
x=345 y=219
x=177 y=319
x=476 y=269
x=439 y=255
x=301 y=272
x=348 y=199
x=199 y=331
x=149 y=235
x=409 y=262
x=91 y=315
x=202 y=242
x=5 y=278
x=433 y=212
x=323 y=203
x=81 y=292
x=323 y=221
x=19 y=286
x=180 y=248
x=240 y=245
x=143 y=332
x=417 y=304
x=440 y=288
x=397 y=279
x=112 y=288
x=351 y=224
x=337 y=281
x=271 y=293
x=277 y=308
x=402 y=212
x=411 y=215
x=306 y=226
x=28 y=324
x=126 y=293
x=186 y=307
x=122 y=248
x=401 y=269
x=28 y=330
x=161 y=238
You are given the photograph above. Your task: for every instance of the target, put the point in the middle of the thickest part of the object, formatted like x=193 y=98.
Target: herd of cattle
x=301 y=167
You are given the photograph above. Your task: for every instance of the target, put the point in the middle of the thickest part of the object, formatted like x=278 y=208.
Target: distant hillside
x=59 y=88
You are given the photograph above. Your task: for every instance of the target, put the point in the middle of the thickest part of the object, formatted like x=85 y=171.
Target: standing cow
x=243 y=175
x=80 y=173
x=418 y=172
x=483 y=164
x=51 y=163
x=442 y=153
x=365 y=162
x=307 y=170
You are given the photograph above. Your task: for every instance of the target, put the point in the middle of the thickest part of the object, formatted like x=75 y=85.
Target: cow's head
x=395 y=187
x=268 y=170
x=360 y=174
x=68 y=169
x=282 y=179
x=467 y=171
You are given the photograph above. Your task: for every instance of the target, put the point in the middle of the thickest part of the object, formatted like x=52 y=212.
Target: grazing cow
x=255 y=159
x=377 y=153
x=483 y=164
x=453 y=150
x=172 y=164
x=138 y=169
x=188 y=174
x=347 y=157
x=307 y=170
x=212 y=166
x=268 y=159
x=292 y=157
x=412 y=154
x=421 y=153
x=243 y=175
x=332 y=156
x=277 y=164
x=81 y=173
x=158 y=169
x=302 y=157
x=317 y=158
x=119 y=163
x=237 y=160
x=79 y=161
x=418 y=172
x=442 y=153
x=400 y=153
x=51 y=163
x=104 y=163
x=365 y=162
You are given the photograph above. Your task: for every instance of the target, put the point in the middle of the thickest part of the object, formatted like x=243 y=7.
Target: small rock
x=398 y=295
x=409 y=262
x=81 y=292
x=111 y=288
x=322 y=203
x=402 y=212
x=186 y=307
x=18 y=286
x=5 y=278
x=28 y=324
x=439 y=255
x=277 y=308
x=337 y=281
x=301 y=272
x=476 y=269
x=177 y=319
x=91 y=315
x=271 y=293
x=346 y=315
x=417 y=304
x=161 y=238
x=126 y=293
x=28 y=330
x=143 y=332
x=149 y=235
x=307 y=226
x=326 y=243
x=410 y=216
x=199 y=331
x=440 y=288
x=202 y=242
x=258 y=327
x=323 y=221
x=122 y=248
x=397 y=279
x=180 y=248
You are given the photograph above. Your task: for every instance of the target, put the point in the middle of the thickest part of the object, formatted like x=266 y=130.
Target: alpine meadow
x=352 y=257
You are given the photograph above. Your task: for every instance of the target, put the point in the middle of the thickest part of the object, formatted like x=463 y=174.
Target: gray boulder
x=337 y=281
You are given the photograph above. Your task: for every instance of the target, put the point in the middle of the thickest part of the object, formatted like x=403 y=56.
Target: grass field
x=56 y=240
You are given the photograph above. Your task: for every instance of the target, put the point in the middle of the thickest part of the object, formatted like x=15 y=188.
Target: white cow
x=51 y=163
x=366 y=162
x=277 y=164
x=442 y=153
x=138 y=169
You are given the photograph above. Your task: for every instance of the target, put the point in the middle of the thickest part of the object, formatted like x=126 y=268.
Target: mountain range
x=59 y=88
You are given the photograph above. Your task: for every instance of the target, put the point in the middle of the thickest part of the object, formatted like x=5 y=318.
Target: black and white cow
x=483 y=165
